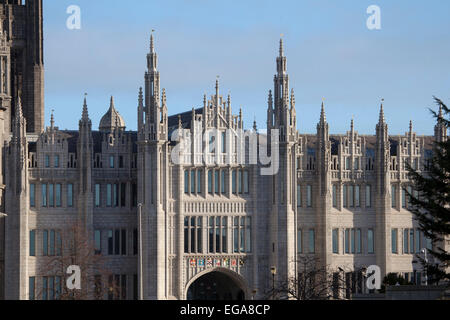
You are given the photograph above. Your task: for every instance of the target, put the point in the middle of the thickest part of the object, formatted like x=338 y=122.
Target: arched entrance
x=215 y=285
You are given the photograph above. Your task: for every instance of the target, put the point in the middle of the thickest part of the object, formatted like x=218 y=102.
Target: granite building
x=208 y=229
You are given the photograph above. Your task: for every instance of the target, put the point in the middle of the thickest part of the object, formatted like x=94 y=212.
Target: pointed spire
x=111 y=103
x=292 y=98
x=255 y=128
x=281 y=46
x=410 y=126
x=52 y=120
x=440 y=115
x=217 y=91
x=323 y=117
x=141 y=97
x=270 y=100
x=85 y=114
x=381 y=119
x=19 y=113
x=152 y=46
x=179 y=122
x=164 y=98
x=352 y=127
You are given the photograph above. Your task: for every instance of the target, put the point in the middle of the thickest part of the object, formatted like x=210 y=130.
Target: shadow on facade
x=215 y=286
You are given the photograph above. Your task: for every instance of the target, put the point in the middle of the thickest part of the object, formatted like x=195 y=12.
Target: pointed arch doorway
x=215 y=285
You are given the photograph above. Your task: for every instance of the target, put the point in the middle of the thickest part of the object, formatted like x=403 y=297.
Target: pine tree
x=431 y=203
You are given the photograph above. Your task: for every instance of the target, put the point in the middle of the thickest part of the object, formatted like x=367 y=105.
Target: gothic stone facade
x=339 y=198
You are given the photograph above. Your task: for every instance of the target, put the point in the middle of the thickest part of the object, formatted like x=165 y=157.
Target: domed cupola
x=112 y=119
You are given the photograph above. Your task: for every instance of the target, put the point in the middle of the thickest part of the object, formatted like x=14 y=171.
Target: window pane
x=110 y=242
x=248 y=234
x=209 y=181
x=233 y=181
x=405 y=241
x=334 y=196
x=222 y=182
x=350 y=197
x=199 y=181
x=45 y=242
x=299 y=196
x=31 y=288
x=51 y=195
x=52 y=242
x=44 y=195
x=403 y=198
x=192 y=181
x=370 y=241
x=32 y=243
x=239 y=181
x=335 y=241
x=186 y=181
x=358 y=240
x=299 y=241
x=216 y=181
x=309 y=195
x=352 y=240
x=417 y=239
x=394 y=240
x=97 y=241
x=311 y=241
x=56 y=161
x=357 y=196
x=393 y=196
x=97 y=195
x=123 y=239
x=347 y=241
x=32 y=195
x=245 y=181
x=344 y=196
x=108 y=195
x=368 y=196
x=70 y=195
x=411 y=241
x=58 y=195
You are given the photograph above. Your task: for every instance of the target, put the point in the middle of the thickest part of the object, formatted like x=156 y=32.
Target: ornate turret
x=440 y=129
x=112 y=119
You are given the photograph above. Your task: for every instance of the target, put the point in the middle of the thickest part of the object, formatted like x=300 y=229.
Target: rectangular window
x=32 y=243
x=45 y=288
x=222 y=182
x=241 y=235
x=123 y=194
x=357 y=196
x=47 y=161
x=334 y=196
x=32 y=195
x=233 y=181
x=45 y=243
x=358 y=240
x=403 y=198
x=192 y=181
x=216 y=181
x=115 y=195
x=120 y=161
x=110 y=242
x=299 y=241
x=186 y=181
x=32 y=288
x=393 y=196
x=58 y=194
x=210 y=181
x=199 y=181
x=111 y=161
x=116 y=242
x=347 y=240
x=97 y=242
x=405 y=241
x=224 y=146
x=248 y=234
x=370 y=242
x=108 y=195
x=352 y=240
x=236 y=235
x=411 y=240
x=97 y=195
x=58 y=243
x=56 y=161
x=240 y=181
x=44 y=195
x=335 y=241
x=70 y=195
x=52 y=243
x=299 y=196
x=347 y=163
x=368 y=196
x=417 y=241
x=51 y=199
x=309 y=196
x=394 y=234
x=344 y=195
x=246 y=181
x=351 y=202
x=124 y=241
x=200 y=231
x=312 y=239
x=186 y=235
x=135 y=242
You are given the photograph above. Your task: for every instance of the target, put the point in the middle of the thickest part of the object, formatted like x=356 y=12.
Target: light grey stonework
x=307 y=194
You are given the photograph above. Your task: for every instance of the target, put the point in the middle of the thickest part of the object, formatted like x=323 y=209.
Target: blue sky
x=331 y=54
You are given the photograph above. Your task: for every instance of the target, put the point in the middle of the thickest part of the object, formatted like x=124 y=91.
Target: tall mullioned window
x=56 y=161
x=70 y=195
x=334 y=195
x=32 y=195
x=51 y=197
x=312 y=240
x=335 y=241
x=370 y=241
x=394 y=239
x=233 y=181
x=393 y=196
x=242 y=234
x=193 y=239
x=210 y=182
x=58 y=194
x=44 y=194
x=368 y=196
x=32 y=243
x=223 y=188
x=97 y=195
x=199 y=181
x=186 y=181
x=309 y=196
